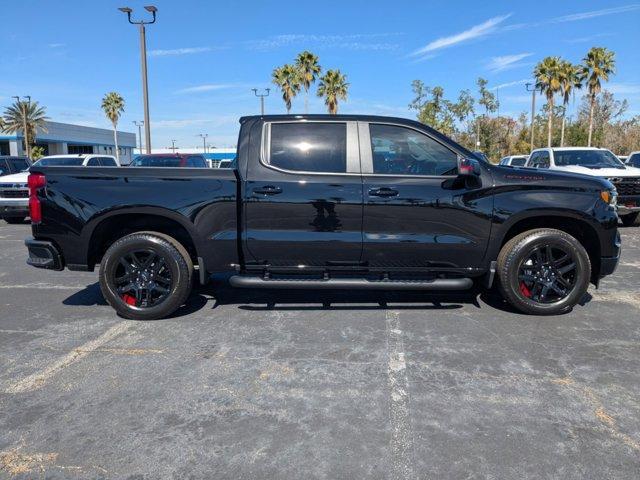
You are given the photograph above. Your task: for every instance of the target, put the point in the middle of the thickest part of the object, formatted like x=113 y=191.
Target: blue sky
x=204 y=57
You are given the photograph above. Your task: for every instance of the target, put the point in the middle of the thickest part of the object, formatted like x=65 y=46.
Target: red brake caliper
x=129 y=299
x=525 y=290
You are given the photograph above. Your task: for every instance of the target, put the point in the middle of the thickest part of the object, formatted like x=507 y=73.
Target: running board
x=438 y=284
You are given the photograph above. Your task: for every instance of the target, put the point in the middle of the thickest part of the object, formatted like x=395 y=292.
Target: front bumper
x=14 y=207
x=43 y=254
x=628 y=204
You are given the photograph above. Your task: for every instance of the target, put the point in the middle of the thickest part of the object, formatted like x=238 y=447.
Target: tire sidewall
x=523 y=249
x=171 y=257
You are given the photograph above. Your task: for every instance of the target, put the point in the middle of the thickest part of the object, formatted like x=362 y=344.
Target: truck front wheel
x=543 y=271
x=146 y=275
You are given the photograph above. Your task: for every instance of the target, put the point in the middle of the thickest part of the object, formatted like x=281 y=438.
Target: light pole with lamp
x=139 y=125
x=173 y=146
x=143 y=59
x=204 y=141
x=261 y=97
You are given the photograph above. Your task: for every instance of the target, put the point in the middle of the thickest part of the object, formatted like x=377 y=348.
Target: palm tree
x=287 y=78
x=570 y=79
x=22 y=113
x=307 y=65
x=547 y=74
x=113 y=106
x=333 y=86
x=597 y=66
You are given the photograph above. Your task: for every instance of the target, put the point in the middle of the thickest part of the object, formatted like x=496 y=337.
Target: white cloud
x=511 y=84
x=207 y=88
x=506 y=62
x=57 y=45
x=179 y=51
x=476 y=31
x=595 y=13
x=355 y=41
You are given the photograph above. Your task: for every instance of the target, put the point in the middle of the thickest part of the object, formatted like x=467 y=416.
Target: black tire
x=522 y=274
x=174 y=276
x=15 y=220
x=629 y=220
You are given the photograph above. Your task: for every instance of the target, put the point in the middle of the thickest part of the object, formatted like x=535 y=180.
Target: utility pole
x=24 y=106
x=143 y=61
x=261 y=96
x=533 y=110
x=173 y=146
x=204 y=141
x=139 y=125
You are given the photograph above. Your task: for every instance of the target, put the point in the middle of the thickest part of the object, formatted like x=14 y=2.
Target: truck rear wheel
x=543 y=271
x=146 y=275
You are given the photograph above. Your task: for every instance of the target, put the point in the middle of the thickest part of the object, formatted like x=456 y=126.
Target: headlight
x=610 y=197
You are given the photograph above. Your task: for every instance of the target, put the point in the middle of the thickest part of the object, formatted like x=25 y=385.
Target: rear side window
x=518 y=162
x=108 y=162
x=17 y=165
x=309 y=147
x=196 y=161
x=93 y=162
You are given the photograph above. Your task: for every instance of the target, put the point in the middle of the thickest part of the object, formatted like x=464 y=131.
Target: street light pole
x=533 y=111
x=261 y=96
x=204 y=141
x=139 y=125
x=24 y=106
x=143 y=63
x=173 y=146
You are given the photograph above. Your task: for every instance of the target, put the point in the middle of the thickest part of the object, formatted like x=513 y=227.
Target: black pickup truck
x=328 y=202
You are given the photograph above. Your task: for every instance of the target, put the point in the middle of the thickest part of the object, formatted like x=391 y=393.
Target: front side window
x=403 y=151
x=540 y=160
x=309 y=147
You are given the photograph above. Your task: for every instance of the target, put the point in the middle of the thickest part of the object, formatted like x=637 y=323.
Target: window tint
x=518 y=162
x=309 y=147
x=4 y=170
x=108 y=162
x=634 y=160
x=93 y=162
x=59 y=162
x=540 y=160
x=403 y=151
x=196 y=161
x=17 y=165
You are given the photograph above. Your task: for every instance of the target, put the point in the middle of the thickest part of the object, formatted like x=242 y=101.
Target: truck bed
x=82 y=206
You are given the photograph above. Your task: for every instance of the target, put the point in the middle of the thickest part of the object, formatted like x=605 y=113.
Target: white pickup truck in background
x=595 y=162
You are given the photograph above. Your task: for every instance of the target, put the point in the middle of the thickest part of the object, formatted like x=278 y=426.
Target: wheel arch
x=102 y=231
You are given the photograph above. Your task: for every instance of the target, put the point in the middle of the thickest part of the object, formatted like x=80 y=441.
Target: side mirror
x=468 y=166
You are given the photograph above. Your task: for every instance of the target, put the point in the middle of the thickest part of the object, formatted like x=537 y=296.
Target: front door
x=416 y=215
x=304 y=196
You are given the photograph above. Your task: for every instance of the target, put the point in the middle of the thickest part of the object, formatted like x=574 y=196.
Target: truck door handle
x=383 y=192
x=267 y=190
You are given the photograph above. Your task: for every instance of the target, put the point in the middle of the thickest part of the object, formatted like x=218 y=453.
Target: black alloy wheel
x=142 y=278
x=547 y=274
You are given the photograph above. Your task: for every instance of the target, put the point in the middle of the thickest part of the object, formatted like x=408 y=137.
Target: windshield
x=59 y=162
x=587 y=158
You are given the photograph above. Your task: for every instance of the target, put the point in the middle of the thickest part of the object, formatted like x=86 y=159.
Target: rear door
x=303 y=195
x=416 y=216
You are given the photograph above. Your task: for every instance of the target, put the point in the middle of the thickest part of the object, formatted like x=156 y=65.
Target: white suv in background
x=595 y=162
x=14 y=194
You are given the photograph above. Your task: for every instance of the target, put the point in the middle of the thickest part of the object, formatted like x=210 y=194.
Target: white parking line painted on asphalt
x=43 y=286
x=37 y=380
x=401 y=431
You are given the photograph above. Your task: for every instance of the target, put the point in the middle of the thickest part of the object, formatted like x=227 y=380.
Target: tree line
x=599 y=120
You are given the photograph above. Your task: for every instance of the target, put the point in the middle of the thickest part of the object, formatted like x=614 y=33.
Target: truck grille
x=626 y=186
x=13 y=193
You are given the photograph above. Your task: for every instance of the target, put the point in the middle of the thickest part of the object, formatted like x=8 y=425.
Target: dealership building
x=63 y=138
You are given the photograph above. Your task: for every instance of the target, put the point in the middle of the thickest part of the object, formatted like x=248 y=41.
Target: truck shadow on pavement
x=218 y=293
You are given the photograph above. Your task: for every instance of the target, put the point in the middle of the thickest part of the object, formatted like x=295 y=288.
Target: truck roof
x=325 y=116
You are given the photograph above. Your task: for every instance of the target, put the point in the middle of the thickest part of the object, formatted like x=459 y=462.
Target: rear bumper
x=628 y=204
x=14 y=207
x=43 y=254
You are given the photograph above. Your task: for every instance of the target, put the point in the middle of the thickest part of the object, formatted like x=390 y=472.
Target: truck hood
x=602 y=172
x=15 y=178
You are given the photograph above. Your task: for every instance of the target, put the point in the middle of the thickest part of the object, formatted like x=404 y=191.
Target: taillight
x=35 y=182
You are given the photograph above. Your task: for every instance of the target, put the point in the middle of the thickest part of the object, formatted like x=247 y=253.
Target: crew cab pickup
x=328 y=202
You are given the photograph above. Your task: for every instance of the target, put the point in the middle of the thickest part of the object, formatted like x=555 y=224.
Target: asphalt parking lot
x=242 y=384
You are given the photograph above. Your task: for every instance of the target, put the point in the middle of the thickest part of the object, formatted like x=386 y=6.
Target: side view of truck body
x=321 y=201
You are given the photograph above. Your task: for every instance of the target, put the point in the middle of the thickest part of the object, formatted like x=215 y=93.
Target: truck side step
x=438 y=284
